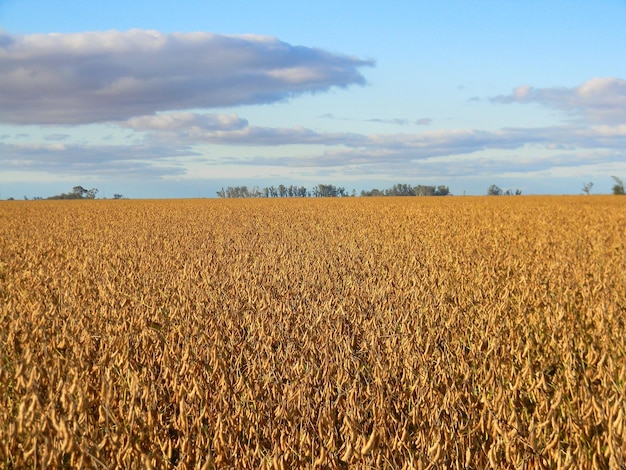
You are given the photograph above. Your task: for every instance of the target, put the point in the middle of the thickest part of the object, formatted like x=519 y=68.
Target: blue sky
x=176 y=99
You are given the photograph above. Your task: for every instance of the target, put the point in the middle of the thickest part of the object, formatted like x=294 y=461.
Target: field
x=413 y=332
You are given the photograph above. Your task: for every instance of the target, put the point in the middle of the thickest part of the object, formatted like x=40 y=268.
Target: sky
x=167 y=99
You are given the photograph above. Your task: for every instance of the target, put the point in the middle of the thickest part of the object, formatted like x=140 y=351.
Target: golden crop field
x=378 y=333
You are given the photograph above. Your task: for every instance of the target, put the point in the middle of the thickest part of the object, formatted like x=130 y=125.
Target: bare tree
x=587 y=188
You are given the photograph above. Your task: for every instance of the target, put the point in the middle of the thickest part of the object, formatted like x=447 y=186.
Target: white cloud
x=191 y=129
x=599 y=100
x=93 y=160
x=174 y=143
x=186 y=121
x=106 y=76
x=177 y=143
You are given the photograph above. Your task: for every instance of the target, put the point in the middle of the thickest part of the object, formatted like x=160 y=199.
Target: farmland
x=412 y=332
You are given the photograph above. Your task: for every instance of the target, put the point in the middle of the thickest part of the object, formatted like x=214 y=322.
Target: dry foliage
x=376 y=333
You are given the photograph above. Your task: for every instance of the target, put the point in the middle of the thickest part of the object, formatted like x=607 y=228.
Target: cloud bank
x=599 y=100
x=189 y=128
x=175 y=144
x=169 y=141
x=94 y=77
x=116 y=161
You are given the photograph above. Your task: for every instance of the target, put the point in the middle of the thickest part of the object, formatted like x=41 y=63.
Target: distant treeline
x=329 y=190
x=321 y=190
x=408 y=190
x=78 y=192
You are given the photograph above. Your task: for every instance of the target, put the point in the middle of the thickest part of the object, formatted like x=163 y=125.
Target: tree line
x=78 y=192
x=329 y=190
x=408 y=190
x=321 y=190
x=270 y=191
x=495 y=190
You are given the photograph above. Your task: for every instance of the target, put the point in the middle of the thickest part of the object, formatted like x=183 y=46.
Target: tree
x=373 y=193
x=120 y=196
x=442 y=190
x=400 y=189
x=587 y=188
x=79 y=192
x=424 y=190
x=618 y=187
x=494 y=190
